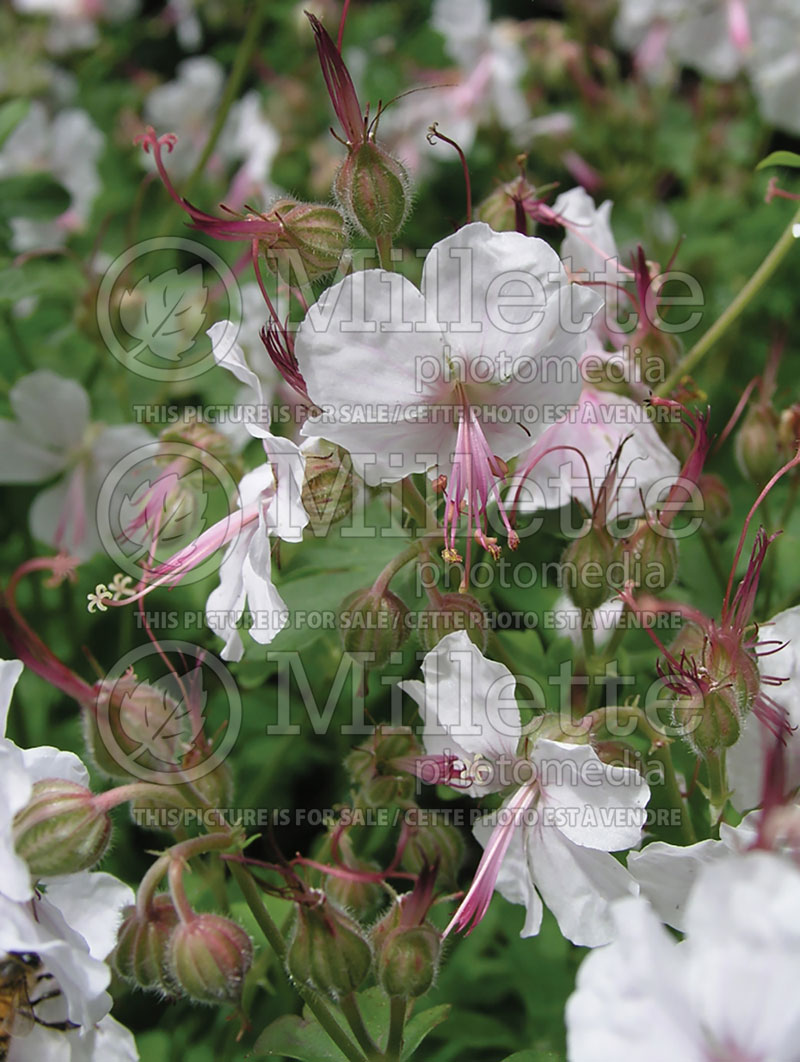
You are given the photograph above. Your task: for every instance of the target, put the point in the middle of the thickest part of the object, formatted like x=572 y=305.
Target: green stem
x=398 y=562
x=717 y=786
x=317 y=1006
x=349 y=1007
x=232 y=88
x=397 y=1021
x=694 y=356
x=594 y=690
x=384 y=246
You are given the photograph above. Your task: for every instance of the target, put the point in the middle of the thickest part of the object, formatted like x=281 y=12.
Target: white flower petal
x=577 y=884
x=514 y=881
x=51 y=409
x=603 y=805
x=470 y=698
x=666 y=874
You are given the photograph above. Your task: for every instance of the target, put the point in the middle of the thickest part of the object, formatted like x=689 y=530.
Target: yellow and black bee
x=23 y=985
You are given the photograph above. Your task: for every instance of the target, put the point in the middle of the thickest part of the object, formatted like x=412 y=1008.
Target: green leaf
x=11 y=114
x=529 y=1056
x=41 y=276
x=33 y=196
x=780 y=158
x=420 y=1025
x=294 y=1037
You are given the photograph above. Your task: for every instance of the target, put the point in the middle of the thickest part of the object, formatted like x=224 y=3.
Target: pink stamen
x=739 y=25
x=475 y=904
x=474 y=478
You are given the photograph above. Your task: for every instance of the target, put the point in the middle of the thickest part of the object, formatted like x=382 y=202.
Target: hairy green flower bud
x=757 y=446
x=328 y=951
x=328 y=486
x=454 y=612
x=142 y=947
x=209 y=957
x=584 y=567
x=372 y=188
x=373 y=623
x=373 y=767
x=438 y=844
x=60 y=830
x=408 y=960
x=648 y=559
x=313 y=238
x=125 y=726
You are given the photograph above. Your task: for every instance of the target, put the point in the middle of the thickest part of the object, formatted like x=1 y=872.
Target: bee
x=23 y=985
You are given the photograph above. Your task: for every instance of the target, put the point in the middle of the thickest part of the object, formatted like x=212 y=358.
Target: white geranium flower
x=728 y=991
x=453 y=378
x=667 y=872
x=237 y=349
x=186 y=107
x=552 y=473
x=19 y=770
x=51 y=436
x=485 y=86
x=779 y=658
x=69 y=921
x=551 y=840
x=43 y=145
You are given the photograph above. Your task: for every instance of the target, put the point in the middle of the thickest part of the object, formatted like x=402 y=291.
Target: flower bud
x=373 y=768
x=716 y=500
x=124 y=718
x=328 y=952
x=373 y=623
x=60 y=830
x=789 y=429
x=328 y=487
x=209 y=957
x=143 y=946
x=453 y=612
x=502 y=208
x=312 y=234
x=709 y=718
x=648 y=559
x=584 y=567
x=372 y=188
x=436 y=844
x=409 y=960
x=757 y=445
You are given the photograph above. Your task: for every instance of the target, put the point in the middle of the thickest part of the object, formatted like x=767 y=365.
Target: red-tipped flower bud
x=372 y=188
x=408 y=960
x=453 y=612
x=142 y=947
x=209 y=957
x=312 y=239
x=60 y=830
x=126 y=725
x=373 y=623
x=438 y=844
x=328 y=951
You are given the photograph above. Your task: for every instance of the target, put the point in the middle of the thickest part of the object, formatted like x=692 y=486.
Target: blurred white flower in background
x=66 y=146
x=52 y=435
